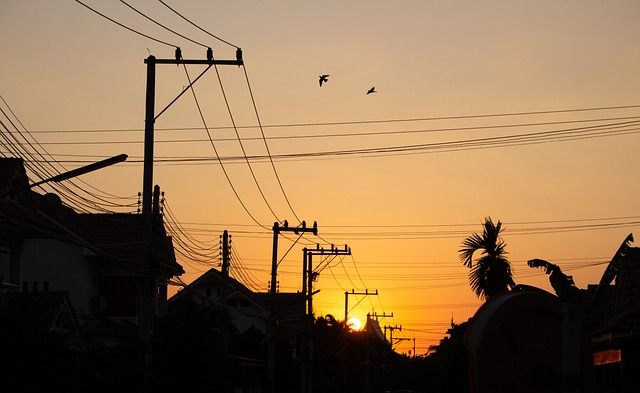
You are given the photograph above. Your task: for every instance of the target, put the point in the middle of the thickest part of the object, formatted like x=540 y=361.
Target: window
x=208 y=292
x=35 y=286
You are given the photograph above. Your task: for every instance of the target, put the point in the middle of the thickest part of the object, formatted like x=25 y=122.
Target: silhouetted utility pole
x=346 y=318
x=378 y=316
x=401 y=339
x=226 y=257
x=353 y=292
x=273 y=317
x=224 y=293
x=308 y=277
x=147 y=283
x=391 y=329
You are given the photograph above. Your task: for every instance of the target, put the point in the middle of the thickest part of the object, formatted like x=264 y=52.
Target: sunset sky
x=527 y=112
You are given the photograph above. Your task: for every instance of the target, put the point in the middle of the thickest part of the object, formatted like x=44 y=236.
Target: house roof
x=597 y=314
x=628 y=281
x=616 y=316
x=119 y=236
x=373 y=327
x=115 y=237
x=214 y=277
x=290 y=306
x=14 y=177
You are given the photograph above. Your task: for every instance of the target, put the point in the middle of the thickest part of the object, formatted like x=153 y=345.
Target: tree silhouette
x=491 y=274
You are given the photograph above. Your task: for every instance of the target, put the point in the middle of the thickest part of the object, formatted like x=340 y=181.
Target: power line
x=213 y=145
x=383 y=121
x=196 y=26
x=266 y=145
x=244 y=153
x=46 y=167
x=559 y=135
x=161 y=25
x=126 y=27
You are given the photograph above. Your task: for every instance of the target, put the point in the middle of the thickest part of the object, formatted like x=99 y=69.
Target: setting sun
x=354 y=324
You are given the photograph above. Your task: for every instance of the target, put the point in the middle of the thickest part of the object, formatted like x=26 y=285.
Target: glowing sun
x=354 y=323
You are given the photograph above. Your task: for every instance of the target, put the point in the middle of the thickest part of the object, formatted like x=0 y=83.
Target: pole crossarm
x=378 y=316
x=296 y=230
x=196 y=61
x=332 y=251
x=391 y=329
x=209 y=60
x=273 y=317
x=353 y=292
x=147 y=288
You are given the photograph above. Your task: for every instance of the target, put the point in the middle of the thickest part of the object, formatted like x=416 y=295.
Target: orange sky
x=401 y=176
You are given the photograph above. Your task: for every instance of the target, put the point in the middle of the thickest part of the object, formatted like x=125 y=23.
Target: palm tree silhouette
x=491 y=274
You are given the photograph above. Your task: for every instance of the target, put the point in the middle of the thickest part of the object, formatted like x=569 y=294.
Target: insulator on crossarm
x=209 y=54
x=178 y=54
x=239 y=56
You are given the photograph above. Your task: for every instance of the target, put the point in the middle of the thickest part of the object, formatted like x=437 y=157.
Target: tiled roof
x=373 y=327
x=601 y=311
x=616 y=315
x=119 y=236
x=116 y=237
x=628 y=281
x=290 y=306
x=14 y=177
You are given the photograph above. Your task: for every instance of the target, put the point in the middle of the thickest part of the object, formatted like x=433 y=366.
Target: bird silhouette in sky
x=371 y=90
x=323 y=78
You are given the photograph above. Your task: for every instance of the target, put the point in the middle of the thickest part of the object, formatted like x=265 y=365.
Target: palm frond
x=491 y=274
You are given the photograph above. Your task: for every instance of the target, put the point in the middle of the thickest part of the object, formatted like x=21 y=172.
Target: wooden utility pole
x=147 y=282
x=273 y=308
x=391 y=329
x=308 y=277
x=353 y=292
x=224 y=293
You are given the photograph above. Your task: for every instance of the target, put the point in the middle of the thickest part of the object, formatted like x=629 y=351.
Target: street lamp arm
x=85 y=169
x=73 y=173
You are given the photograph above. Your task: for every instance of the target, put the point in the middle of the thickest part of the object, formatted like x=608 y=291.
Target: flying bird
x=323 y=78
x=371 y=90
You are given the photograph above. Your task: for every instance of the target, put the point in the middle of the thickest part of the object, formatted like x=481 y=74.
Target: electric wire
x=124 y=26
x=186 y=245
x=610 y=126
x=47 y=169
x=368 y=122
x=249 y=278
x=266 y=145
x=161 y=25
x=425 y=148
x=196 y=26
x=193 y=241
x=226 y=174
x=241 y=144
